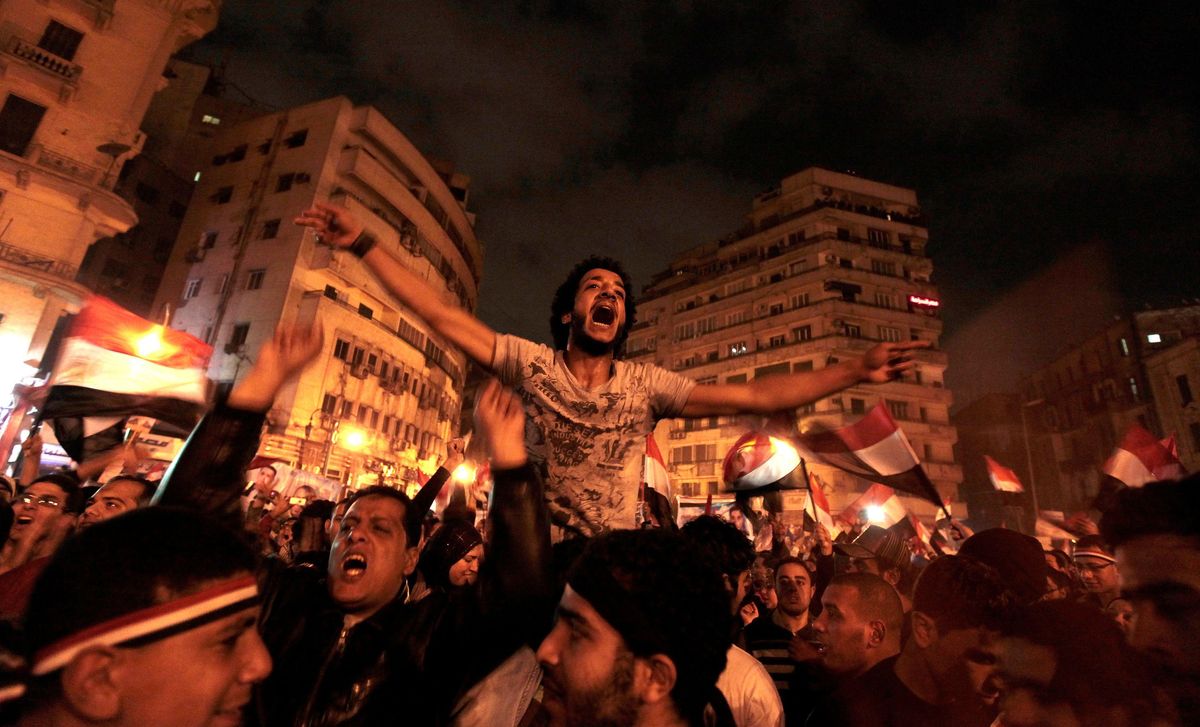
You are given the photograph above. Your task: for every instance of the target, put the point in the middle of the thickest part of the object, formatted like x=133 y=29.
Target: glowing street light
x=353 y=438
x=151 y=344
x=875 y=513
x=465 y=472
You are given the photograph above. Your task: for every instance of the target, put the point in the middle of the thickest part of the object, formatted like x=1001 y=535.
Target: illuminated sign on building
x=920 y=301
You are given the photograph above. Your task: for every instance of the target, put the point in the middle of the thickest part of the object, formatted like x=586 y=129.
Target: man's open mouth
x=23 y=520
x=604 y=315
x=354 y=565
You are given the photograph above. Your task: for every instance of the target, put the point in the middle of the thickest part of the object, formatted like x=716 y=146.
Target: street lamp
x=1029 y=456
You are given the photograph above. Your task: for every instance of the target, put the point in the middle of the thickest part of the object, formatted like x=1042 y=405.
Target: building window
x=776 y=341
x=886 y=300
x=331 y=292
x=296 y=139
x=853 y=330
x=192 y=288
x=238 y=154
x=799 y=366
x=146 y=193
x=365 y=311
x=176 y=209
x=857 y=406
x=887 y=333
x=685 y=331
x=1124 y=344
x=341 y=349
x=254 y=280
x=1185 y=389
x=899 y=409
x=347 y=409
x=803 y=333
x=1153 y=338
x=329 y=404
x=843 y=234
x=798 y=266
x=60 y=40
x=1194 y=427
x=208 y=240
x=222 y=195
x=795 y=238
x=1133 y=388
x=878 y=238
x=883 y=267
x=237 y=336
x=285 y=182
x=736 y=318
x=372 y=362
x=775 y=309
x=19 y=120
x=929 y=453
x=799 y=300
x=270 y=229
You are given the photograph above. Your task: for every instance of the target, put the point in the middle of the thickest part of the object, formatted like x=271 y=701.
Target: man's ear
x=892 y=576
x=654 y=678
x=412 y=555
x=876 y=633
x=924 y=629
x=91 y=684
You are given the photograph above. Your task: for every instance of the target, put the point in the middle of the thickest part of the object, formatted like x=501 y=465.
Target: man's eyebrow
x=567 y=613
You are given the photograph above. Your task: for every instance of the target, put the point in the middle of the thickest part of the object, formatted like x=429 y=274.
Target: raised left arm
x=883 y=362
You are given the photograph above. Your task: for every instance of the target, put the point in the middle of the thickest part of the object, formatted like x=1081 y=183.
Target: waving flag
x=1140 y=458
x=821 y=506
x=875 y=449
x=654 y=469
x=1003 y=479
x=882 y=507
x=758 y=460
x=114 y=364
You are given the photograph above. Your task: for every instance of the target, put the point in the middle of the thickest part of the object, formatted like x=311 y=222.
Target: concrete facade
x=76 y=78
x=827 y=265
x=242 y=266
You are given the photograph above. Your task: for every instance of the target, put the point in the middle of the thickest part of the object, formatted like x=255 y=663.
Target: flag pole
x=808 y=486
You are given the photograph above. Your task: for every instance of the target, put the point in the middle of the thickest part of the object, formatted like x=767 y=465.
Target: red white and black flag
x=1003 y=479
x=1141 y=458
x=114 y=364
x=875 y=449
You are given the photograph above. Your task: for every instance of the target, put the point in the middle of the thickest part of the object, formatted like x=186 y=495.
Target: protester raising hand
x=286 y=354
x=500 y=419
x=334 y=225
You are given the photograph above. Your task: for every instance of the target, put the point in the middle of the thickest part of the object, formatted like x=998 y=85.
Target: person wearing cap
x=120 y=633
x=1097 y=569
x=640 y=637
x=590 y=411
x=878 y=552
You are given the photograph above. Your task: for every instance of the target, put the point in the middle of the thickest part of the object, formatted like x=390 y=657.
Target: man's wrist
x=363 y=244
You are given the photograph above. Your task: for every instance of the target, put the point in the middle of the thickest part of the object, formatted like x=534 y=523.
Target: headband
x=152 y=623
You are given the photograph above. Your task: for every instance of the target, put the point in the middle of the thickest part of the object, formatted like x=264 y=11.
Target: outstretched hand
x=455 y=453
x=289 y=350
x=889 y=361
x=333 y=224
x=500 y=419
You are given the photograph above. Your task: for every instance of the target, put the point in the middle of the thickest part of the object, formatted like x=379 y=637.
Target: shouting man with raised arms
x=589 y=412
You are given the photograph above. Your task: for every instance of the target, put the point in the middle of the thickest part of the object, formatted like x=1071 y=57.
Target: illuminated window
x=1124 y=347
x=1153 y=338
x=210 y=120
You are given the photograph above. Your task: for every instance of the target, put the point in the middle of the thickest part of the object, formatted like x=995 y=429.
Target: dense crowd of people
x=210 y=599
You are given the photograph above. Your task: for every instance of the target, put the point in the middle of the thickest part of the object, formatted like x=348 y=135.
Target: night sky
x=1052 y=144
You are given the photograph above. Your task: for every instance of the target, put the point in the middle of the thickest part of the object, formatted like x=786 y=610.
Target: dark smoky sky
x=1053 y=144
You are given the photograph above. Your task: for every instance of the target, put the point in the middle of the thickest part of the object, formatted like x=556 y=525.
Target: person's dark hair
x=412 y=521
x=959 y=592
x=1159 y=508
x=125 y=564
x=319 y=509
x=1017 y=558
x=447 y=546
x=648 y=585
x=877 y=599
x=721 y=544
x=68 y=482
x=1095 y=666
x=148 y=487
x=564 y=301
x=779 y=564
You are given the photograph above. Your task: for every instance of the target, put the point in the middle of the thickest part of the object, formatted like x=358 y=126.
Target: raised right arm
x=338 y=227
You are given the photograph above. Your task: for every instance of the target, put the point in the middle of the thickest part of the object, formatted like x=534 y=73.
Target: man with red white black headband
x=589 y=412
x=148 y=618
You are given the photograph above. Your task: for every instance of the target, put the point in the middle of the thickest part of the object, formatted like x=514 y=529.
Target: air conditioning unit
x=360 y=371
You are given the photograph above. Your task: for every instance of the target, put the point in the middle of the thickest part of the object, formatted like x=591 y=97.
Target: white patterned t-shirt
x=591 y=443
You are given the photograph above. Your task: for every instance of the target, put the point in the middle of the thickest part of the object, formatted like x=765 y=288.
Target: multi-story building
x=1083 y=401
x=182 y=119
x=827 y=265
x=998 y=426
x=76 y=77
x=384 y=397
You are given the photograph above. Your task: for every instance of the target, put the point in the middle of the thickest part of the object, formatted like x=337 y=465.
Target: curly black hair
x=564 y=301
x=721 y=544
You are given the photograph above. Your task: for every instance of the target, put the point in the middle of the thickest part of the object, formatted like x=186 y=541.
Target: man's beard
x=612 y=704
x=584 y=342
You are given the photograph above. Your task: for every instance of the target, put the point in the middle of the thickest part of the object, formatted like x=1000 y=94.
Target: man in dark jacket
x=348 y=647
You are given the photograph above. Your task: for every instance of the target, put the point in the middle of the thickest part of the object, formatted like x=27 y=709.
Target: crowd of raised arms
x=569 y=596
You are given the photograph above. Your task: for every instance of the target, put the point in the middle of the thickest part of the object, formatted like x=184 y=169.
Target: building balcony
x=31 y=54
x=23 y=258
x=68 y=167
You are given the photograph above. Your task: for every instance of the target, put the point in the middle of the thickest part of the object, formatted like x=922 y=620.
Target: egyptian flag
x=654 y=469
x=757 y=461
x=1003 y=479
x=114 y=364
x=821 y=506
x=875 y=449
x=1140 y=458
x=882 y=502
